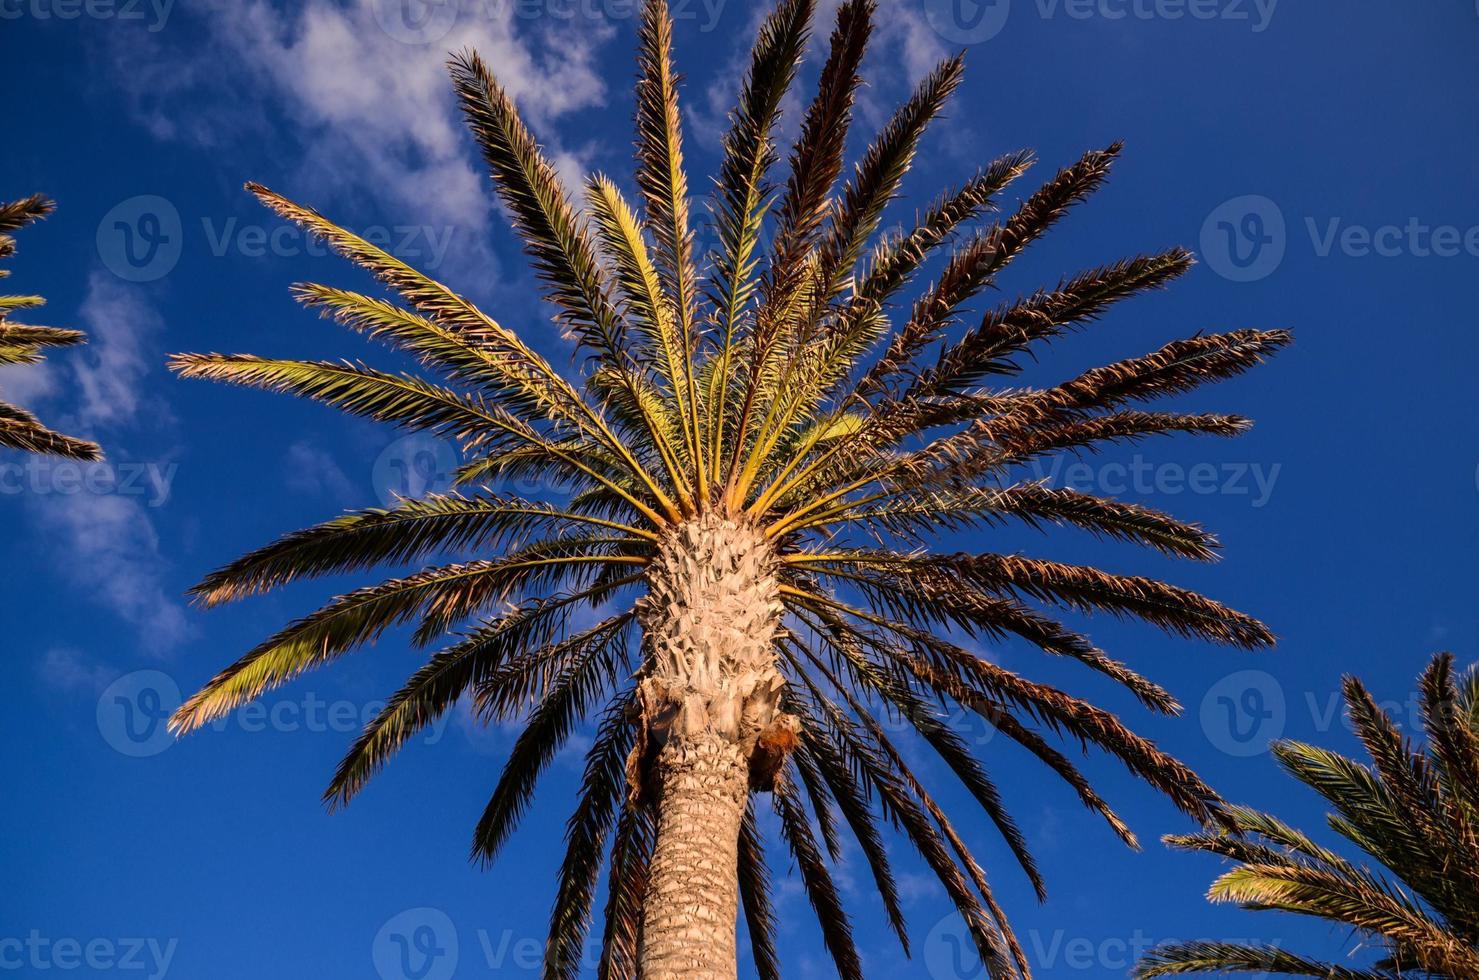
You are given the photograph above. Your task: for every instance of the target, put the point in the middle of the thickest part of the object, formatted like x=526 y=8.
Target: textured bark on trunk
x=709 y=621
x=688 y=928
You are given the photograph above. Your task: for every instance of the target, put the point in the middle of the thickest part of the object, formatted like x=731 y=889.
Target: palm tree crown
x=762 y=447
x=23 y=344
x=1414 y=811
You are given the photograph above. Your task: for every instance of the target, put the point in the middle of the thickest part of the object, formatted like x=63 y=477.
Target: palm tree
x=1415 y=812
x=756 y=459
x=22 y=344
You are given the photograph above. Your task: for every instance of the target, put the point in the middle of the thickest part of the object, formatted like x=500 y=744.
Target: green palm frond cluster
x=780 y=382
x=1414 y=811
x=23 y=344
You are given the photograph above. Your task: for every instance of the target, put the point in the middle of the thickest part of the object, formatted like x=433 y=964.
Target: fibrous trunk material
x=709 y=703
x=688 y=915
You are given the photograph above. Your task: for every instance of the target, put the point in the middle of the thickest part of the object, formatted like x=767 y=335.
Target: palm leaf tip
x=17 y=214
x=194 y=713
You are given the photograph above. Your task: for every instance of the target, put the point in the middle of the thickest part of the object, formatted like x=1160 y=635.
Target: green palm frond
x=786 y=383
x=24 y=344
x=631 y=856
x=1224 y=958
x=1411 y=811
x=602 y=790
x=742 y=197
x=791 y=284
x=592 y=658
x=408 y=532
x=663 y=183
x=880 y=172
x=562 y=251
x=755 y=898
x=837 y=746
x=821 y=889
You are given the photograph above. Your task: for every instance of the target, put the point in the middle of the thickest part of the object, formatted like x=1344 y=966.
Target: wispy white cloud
x=96 y=386
x=312 y=470
x=31 y=385
x=70 y=671
x=365 y=111
x=106 y=543
x=108 y=547
x=915 y=45
x=108 y=372
x=28 y=385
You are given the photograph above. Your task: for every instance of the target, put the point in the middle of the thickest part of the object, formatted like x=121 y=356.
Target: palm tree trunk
x=709 y=702
x=688 y=926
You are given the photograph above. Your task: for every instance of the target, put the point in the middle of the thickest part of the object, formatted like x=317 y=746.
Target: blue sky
x=1320 y=158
